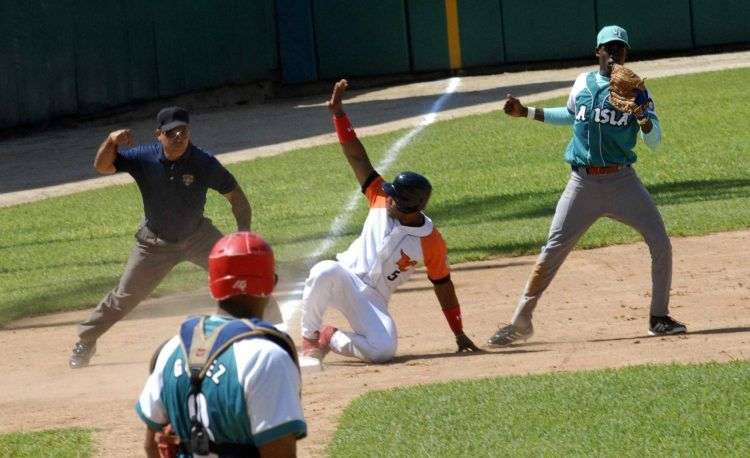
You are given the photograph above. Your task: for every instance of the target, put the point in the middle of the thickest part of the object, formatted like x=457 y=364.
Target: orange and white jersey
x=386 y=253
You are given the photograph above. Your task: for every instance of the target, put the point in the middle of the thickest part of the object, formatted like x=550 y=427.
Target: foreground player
x=396 y=236
x=602 y=183
x=173 y=176
x=245 y=382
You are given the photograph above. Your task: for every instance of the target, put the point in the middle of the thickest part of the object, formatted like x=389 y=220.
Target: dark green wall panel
x=548 y=29
x=102 y=55
x=140 y=31
x=9 y=62
x=721 y=21
x=480 y=26
x=256 y=30
x=651 y=26
x=198 y=48
x=36 y=61
x=360 y=38
x=174 y=42
x=429 y=36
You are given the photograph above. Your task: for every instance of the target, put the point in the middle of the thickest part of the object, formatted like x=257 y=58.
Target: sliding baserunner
x=395 y=238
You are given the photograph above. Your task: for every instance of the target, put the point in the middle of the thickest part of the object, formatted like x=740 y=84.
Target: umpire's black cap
x=410 y=190
x=171 y=117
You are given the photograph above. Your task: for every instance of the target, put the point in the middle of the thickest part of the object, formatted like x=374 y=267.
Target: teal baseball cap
x=612 y=33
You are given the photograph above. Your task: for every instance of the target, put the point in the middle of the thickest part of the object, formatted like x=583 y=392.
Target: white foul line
x=290 y=308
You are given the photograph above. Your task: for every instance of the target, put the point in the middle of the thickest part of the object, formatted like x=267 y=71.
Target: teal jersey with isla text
x=602 y=135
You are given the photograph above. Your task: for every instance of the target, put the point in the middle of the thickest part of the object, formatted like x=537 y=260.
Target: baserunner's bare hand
x=335 y=104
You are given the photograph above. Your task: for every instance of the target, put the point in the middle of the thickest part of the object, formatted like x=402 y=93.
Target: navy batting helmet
x=410 y=190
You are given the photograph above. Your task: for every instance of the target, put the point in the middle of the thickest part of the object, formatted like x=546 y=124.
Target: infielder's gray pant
x=149 y=262
x=620 y=196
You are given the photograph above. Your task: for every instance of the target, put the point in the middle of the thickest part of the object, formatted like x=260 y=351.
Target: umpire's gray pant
x=620 y=196
x=149 y=262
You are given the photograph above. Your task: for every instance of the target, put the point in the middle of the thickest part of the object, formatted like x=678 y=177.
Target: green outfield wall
x=66 y=57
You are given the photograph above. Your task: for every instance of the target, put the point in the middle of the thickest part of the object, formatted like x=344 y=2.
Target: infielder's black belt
x=606 y=170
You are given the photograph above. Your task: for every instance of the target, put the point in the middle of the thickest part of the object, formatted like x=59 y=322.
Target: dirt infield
x=580 y=324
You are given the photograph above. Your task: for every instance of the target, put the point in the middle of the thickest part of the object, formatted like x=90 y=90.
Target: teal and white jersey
x=602 y=135
x=252 y=392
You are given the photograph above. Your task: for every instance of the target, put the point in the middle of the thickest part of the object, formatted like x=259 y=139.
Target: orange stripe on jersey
x=374 y=193
x=435 y=254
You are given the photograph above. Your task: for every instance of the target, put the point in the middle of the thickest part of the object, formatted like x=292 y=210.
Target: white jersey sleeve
x=150 y=407
x=271 y=383
x=578 y=86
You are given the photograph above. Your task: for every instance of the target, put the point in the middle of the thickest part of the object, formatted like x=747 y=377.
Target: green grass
x=496 y=183
x=56 y=443
x=671 y=410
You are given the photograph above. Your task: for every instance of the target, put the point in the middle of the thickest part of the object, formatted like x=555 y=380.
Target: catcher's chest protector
x=201 y=351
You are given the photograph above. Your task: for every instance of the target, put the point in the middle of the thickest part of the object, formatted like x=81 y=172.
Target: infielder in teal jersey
x=228 y=384
x=602 y=183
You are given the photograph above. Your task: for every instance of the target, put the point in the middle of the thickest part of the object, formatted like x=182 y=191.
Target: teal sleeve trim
x=559 y=116
x=296 y=427
x=653 y=138
x=152 y=425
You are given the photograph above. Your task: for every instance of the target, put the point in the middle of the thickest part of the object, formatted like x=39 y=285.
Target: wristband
x=344 y=129
x=453 y=315
x=530 y=112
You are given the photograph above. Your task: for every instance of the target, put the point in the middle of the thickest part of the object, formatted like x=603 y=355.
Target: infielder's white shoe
x=509 y=334
x=318 y=347
x=82 y=353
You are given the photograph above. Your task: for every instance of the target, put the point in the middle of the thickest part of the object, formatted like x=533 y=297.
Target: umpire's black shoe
x=665 y=326
x=82 y=353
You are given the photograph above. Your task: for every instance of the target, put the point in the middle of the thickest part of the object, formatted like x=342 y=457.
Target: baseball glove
x=627 y=91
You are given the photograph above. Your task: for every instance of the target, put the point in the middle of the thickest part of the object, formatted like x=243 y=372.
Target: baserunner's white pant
x=331 y=285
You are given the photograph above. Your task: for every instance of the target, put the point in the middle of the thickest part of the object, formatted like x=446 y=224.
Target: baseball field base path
x=578 y=326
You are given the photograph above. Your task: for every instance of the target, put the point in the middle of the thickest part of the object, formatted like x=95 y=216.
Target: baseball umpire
x=228 y=384
x=603 y=182
x=173 y=176
x=396 y=236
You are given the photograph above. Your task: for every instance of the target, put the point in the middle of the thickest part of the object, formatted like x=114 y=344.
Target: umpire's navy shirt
x=174 y=192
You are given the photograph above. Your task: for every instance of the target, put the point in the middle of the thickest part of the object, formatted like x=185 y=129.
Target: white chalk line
x=290 y=308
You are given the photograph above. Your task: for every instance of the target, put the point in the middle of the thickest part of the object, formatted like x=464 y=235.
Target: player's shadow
x=401 y=359
x=229 y=130
x=731 y=330
x=410 y=358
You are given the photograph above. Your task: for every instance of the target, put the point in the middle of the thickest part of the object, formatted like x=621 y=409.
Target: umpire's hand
x=122 y=137
x=465 y=344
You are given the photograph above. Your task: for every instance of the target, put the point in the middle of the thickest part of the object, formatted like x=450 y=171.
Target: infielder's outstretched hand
x=513 y=107
x=465 y=344
x=335 y=104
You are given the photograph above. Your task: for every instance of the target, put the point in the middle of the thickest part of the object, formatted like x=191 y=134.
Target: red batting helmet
x=241 y=264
